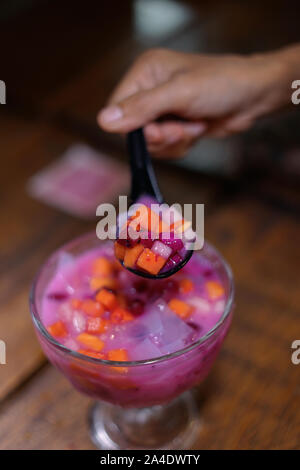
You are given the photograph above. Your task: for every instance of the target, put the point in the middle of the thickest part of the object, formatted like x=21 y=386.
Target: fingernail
x=196 y=129
x=111 y=114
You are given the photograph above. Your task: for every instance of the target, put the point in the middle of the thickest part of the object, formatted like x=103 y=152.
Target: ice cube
x=152 y=320
x=161 y=249
x=145 y=349
x=202 y=305
x=219 y=306
x=175 y=334
x=65 y=312
x=78 y=324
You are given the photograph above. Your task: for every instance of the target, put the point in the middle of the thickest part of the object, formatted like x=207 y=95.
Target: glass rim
x=43 y=331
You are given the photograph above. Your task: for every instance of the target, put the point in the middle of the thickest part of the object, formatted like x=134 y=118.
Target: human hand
x=214 y=95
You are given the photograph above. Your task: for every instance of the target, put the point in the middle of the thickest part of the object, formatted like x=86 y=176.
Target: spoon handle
x=143 y=180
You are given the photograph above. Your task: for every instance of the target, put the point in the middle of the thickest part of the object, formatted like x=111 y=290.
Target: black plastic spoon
x=144 y=183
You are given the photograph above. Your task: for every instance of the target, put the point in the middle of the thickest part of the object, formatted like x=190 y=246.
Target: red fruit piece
x=58 y=329
x=137 y=307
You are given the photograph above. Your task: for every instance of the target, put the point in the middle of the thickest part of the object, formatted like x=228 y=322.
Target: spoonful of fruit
x=153 y=240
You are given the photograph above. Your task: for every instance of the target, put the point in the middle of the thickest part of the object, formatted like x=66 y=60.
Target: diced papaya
x=182 y=309
x=180 y=226
x=214 y=289
x=91 y=342
x=58 y=329
x=76 y=304
x=186 y=286
x=131 y=255
x=145 y=219
x=118 y=355
x=151 y=262
x=102 y=267
x=96 y=325
x=107 y=298
x=120 y=315
x=90 y=307
x=96 y=355
x=97 y=283
x=119 y=251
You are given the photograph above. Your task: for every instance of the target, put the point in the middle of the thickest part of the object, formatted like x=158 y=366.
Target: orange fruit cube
x=119 y=251
x=102 y=267
x=58 y=329
x=96 y=355
x=182 y=309
x=107 y=299
x=76 y=304
x=118 y=355
x=120 y=315
x=90 y=307
x=151 y=262
x=91 y=342
x=131 y=255
x=97 y=283
x=214 y=289
x=181 y=226
x=96 y=325
x=186 y=286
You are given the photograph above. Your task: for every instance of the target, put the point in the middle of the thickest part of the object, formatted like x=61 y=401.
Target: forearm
x=285 y=68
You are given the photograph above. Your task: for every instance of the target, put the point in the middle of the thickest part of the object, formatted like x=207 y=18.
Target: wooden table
x=57 y=80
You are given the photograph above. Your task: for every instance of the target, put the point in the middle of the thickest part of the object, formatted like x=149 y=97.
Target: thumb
x=139 y=109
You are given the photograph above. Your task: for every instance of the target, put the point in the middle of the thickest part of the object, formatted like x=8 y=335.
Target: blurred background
x=60 y=60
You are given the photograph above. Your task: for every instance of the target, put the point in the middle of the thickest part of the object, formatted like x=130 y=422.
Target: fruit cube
x=186 y=286
x=118 y=355
x=90 y=307
x=145 y=219
x=182 y=309
x=120 y=315
x=90 y=341
x=214 y=289
x=119 y=251
x=96 y=355
x=181 y=226
x=97 y=283
x=161 y=249
x=102 y=267
x=151 y=262
x=96 y=325
x=58 y=329
x=76 y=304
x=131 y=255
x=107 y=298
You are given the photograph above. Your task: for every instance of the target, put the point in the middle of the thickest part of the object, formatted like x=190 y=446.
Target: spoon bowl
x=144 y=184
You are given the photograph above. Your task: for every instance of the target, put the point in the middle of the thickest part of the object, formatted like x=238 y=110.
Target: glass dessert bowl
x=137 y=349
